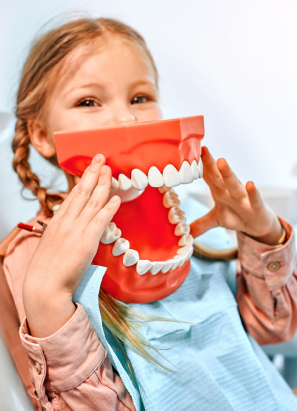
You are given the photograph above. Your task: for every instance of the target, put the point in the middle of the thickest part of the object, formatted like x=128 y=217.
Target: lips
x=147 y=246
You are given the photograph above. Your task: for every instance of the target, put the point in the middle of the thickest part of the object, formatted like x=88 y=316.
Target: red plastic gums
x=144 y=220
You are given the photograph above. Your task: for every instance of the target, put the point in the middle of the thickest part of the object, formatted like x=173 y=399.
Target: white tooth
x=190 y=253
x=176 y=215
x=175 y=264
x=163 y=189
x=111 y=234
x=170 y=199
x=167 y=266
x=186 y=173
x=138 y=179
x=181 y=229
x=200 y=168
x=131 y=257
x=171 y=176
x=124 y=182
x=155 y=178
x=114 y=184
x=186 y=240
x=181 y=259
x=195 y=170
x=157 y=266
x=185 y=250
x=120 y=247
x=143 y=266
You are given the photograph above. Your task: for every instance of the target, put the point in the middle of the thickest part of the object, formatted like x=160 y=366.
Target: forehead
x=105 y=58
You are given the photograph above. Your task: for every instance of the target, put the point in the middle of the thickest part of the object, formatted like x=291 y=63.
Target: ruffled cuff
x=65 y=359
x=275 y=264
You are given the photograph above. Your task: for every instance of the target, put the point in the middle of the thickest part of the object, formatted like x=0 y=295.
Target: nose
x=123 y=114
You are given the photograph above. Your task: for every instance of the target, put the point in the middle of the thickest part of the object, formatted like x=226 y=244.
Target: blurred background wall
x=232 y=61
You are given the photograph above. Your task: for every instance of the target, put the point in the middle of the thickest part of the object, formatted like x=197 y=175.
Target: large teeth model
x=181 y=229
x=186 y=173
x=138 y=179
x=170 y=177
x=176 y=217
x=111 y=234
x=120 y=247
x=170 y=199
x=124 y=182
x=131 y=257
x=155 y=178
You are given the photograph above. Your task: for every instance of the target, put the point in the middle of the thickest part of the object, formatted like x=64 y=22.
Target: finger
x=254 y=195
x=211 y=169
x=99 y=223
x=203 y=224
x=99 y=197
x=85 y=187
x=63 y=207
x=232 y=183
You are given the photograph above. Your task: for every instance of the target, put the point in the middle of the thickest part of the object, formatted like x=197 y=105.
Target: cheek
x=148 y=114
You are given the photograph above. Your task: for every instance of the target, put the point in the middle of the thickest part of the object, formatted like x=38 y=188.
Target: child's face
x=114 y=85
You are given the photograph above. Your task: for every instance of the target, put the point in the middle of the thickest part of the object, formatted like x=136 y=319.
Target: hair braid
x=21 y=149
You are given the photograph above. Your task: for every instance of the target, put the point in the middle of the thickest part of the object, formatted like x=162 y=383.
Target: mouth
x=147 y=246
x=137 y=256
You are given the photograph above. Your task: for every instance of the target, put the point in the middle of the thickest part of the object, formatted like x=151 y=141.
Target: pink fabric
x=267 y=300
x=75 y=370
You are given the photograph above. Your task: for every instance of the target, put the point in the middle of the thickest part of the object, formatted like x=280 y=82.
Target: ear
x=40 y=139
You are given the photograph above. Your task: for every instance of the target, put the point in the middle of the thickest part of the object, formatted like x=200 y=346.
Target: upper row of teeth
x=170 y=177
x=176 y=216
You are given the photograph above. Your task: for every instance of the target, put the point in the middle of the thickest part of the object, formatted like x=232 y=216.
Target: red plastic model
x=147 y=246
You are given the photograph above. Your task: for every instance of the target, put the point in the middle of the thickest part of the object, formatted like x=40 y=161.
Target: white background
x=235 y=62
x=232 y=61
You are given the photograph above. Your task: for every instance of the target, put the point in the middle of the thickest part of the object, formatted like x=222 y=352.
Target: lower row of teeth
x=176 y=216
x=170 y=177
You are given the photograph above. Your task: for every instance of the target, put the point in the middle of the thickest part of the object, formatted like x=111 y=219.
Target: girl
x=92 y=73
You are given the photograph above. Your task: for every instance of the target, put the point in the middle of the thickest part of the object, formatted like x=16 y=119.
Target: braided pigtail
x=21 y=149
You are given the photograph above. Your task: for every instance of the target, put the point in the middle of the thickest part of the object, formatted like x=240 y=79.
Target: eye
x=139 y=100
x=88 y=102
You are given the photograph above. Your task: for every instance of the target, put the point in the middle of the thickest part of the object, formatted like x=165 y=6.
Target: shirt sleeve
x=70 y=369
x=267 y=288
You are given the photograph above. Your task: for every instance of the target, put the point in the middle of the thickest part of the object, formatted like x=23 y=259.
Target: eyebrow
x=97 y=85
x=88 y=85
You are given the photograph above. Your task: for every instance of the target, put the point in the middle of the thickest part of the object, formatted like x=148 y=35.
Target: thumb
x=203 y=224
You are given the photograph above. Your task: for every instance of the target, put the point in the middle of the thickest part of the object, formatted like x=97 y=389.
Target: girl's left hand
x=237 y=207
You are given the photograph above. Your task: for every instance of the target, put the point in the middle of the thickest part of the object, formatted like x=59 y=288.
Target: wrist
x=46 y=311
x=275 y=236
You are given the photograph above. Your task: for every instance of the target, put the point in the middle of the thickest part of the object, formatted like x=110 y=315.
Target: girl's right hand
x=66 y=250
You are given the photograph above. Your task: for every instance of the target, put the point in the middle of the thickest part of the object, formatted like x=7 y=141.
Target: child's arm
x=68 y=365
x=70 y=369
x=267 y=297
x=66 y=250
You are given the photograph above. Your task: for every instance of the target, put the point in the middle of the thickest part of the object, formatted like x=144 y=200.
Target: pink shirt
x=71 y=370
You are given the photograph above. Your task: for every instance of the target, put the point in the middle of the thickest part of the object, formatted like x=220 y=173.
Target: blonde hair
x=48 y=55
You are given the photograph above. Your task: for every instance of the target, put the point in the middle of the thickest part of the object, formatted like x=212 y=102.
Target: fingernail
x=114 y=199
x=103 y=170
x=98 y=158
